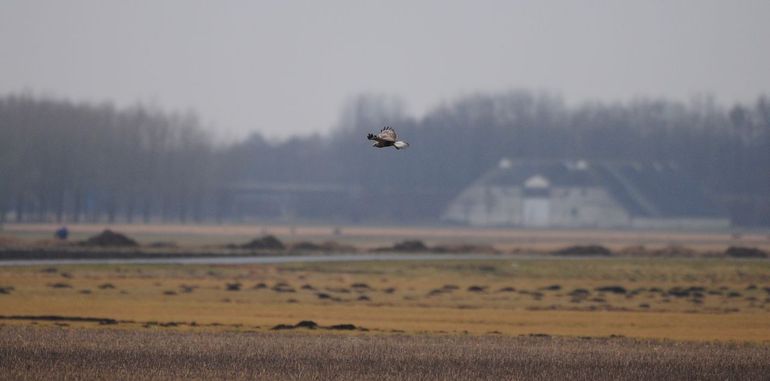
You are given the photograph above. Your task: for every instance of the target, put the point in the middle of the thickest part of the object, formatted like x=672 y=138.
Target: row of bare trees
x=76 y=161
x=91 y=162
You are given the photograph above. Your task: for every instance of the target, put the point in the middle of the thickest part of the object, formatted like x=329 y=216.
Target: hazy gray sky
x=286 y=67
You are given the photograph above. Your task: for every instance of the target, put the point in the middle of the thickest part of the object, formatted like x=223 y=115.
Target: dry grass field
x=511 y=317
x=98 y=354
x=679 y=299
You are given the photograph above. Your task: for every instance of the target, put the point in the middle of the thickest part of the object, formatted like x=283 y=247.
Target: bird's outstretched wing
x=387 y=134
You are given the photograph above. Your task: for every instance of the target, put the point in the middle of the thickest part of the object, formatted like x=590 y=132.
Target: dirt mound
x=343 y=327
x=108 y=238
x=268 y=242
x=328 y=246
x=745 y=252
x=408 y=246
x=309 y=324
x=588 y=250
x=306 y=324
x=612 y=289
x=465 y=248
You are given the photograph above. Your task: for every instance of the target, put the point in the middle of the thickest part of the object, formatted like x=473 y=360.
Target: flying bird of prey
x=387 y=138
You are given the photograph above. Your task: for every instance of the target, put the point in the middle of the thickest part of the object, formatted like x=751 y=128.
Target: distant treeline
x=71 y=161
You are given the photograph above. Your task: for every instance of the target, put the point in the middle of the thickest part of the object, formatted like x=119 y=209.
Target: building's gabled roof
x=644 y=190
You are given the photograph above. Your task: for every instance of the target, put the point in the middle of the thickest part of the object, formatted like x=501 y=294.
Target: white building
x=582 y=194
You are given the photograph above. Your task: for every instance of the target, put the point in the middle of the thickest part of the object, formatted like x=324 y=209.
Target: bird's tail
x=400 y=144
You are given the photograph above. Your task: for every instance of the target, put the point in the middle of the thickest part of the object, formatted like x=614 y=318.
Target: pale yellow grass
x=141 y=295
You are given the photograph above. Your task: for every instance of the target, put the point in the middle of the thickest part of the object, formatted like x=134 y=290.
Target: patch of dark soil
x=108 y=238
x=309 y=324
x=682 y=292
x=588 y=250
x=327 y=246
x=344 y=327
x=338 y=290
x=579 y=293
x=464 y=248
x=745 y=252
x=410 y=246
x=360 y=286
x=612 y=289
x=102 y=321
x=268 y=242
x=283 y=287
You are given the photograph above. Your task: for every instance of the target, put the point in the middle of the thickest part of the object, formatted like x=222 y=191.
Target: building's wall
x=486 y=206
x=565 y=207
x=586 y=207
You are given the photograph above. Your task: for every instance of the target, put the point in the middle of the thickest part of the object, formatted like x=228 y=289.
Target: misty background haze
x=242 y=111
x=286 y=68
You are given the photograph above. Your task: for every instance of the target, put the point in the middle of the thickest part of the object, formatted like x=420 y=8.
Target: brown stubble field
x=56 y=353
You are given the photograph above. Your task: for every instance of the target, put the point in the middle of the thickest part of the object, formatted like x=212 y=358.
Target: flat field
x=694 y=299
x=511 y=317
x=375 y=236
x=97 y=354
